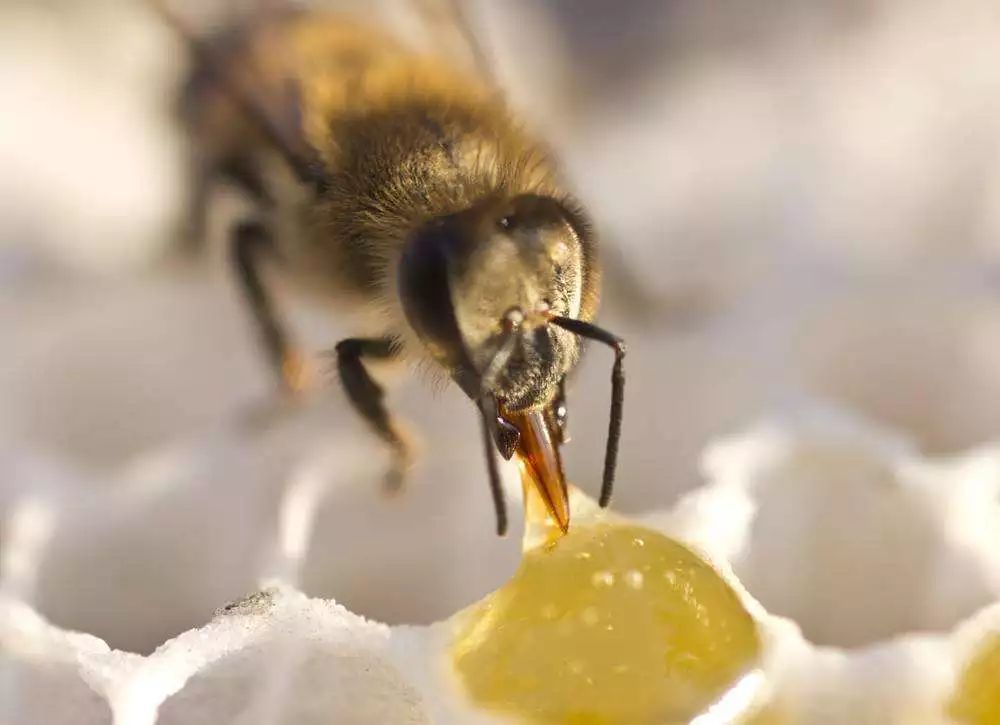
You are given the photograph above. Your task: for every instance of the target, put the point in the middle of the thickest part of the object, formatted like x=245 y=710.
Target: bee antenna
x=593 y=332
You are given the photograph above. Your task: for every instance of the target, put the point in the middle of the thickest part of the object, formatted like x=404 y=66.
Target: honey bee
x=385 y=178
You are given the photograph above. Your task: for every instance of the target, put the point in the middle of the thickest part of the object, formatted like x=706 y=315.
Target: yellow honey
x=612 y=623
x=977 y=698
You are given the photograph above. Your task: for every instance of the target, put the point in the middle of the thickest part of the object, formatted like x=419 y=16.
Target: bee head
x=492 y=276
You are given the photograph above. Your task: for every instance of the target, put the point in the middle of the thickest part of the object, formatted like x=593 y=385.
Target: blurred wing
x=269 y=97
x=450 y=25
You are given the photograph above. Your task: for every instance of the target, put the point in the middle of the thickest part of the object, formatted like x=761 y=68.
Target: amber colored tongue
x=541 y=466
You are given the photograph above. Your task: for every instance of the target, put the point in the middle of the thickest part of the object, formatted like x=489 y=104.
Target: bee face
x=462 y=275
x=541 y=356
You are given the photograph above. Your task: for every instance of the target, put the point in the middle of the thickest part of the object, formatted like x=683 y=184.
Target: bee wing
x=274 y=106
x=450 y=24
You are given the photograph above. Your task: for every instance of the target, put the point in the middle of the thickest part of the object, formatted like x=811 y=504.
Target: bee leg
x=250 y=240
x=242 y=173
x=194 y=229
x=368 y=398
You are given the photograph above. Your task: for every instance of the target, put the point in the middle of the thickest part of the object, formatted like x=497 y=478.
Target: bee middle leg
x=251 y=242
x=368 y=398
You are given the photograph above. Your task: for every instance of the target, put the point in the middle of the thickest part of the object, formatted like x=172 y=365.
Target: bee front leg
x=368 y=398
x=251 y=240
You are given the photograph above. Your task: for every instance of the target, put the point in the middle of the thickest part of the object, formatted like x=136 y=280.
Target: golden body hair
x=391 y=180
x=403 y=138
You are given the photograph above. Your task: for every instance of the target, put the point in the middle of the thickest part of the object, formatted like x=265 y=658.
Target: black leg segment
x=368 y=398
x=251 y=242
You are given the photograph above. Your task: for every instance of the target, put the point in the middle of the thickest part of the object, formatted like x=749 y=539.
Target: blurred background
x=800 y=201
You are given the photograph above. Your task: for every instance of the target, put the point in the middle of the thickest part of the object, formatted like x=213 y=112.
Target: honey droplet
x=627 y=647
x=977 y=697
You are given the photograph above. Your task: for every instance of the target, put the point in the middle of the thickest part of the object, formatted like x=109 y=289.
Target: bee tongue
x=541 y=466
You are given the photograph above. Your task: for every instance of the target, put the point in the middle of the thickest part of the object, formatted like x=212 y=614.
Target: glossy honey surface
x=611 y=623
